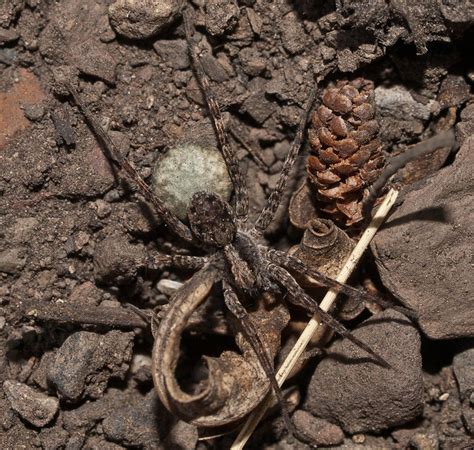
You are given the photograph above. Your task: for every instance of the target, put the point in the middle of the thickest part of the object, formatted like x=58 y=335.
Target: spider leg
x=292 y=263
x=230 y=158
x=113 y=154
x=236 y=308
x=185 y=262
x=268 y=212
x=300 y=298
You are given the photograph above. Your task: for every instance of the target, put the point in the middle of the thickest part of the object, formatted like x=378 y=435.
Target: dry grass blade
x=313 y=324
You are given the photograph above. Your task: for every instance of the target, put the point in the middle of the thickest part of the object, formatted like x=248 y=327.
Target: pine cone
x=347 y=152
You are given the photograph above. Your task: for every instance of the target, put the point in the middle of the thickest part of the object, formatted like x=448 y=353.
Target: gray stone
x=12 y=260
x=463 y=366
x=86 y=361
x=352 y=390
x=187 y=169
x=424 y=253
x=35 y=407
x=397 y=102
x=136 y=423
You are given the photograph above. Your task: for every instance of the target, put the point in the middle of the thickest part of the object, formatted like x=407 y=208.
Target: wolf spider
x=236 y=250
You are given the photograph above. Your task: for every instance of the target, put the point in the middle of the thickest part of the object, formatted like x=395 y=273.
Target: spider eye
x=211 y=219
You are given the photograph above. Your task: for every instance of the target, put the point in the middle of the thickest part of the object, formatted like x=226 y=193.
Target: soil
x=74 y=235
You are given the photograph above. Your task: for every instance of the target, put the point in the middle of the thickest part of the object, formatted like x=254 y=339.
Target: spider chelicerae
x=237 y=255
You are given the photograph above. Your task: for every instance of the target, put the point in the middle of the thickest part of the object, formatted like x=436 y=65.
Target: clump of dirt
x=74 y=236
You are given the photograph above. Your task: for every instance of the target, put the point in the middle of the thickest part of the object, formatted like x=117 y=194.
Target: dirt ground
x=73 y=235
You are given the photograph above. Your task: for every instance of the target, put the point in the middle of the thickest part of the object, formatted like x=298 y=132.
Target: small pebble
x=141 y=19
x=103 y=209
x=293 y=36
x=443 y=397
x=33 y=406
x=423 y=441
x=182 y=435
x=168 y=287
x=34 y=112
x=358 y=438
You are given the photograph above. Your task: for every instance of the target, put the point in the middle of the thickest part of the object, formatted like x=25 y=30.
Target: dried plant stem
x=313 y=324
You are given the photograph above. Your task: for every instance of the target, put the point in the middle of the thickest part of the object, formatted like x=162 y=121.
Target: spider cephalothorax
x=237 y=258
x=212 y=219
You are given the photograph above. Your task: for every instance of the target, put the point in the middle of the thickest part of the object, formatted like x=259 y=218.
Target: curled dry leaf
x=236 y=383
x=301 y=210
x=325 y=247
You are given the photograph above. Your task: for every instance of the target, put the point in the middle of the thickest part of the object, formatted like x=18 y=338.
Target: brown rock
x=293 y=36
x=424 y=253
x=353 y=391
x=87 y=172
x=116 y=260
x=72 y=38
x=454 y=91
x=174 y=52
x=33 y=406
x=318 y=431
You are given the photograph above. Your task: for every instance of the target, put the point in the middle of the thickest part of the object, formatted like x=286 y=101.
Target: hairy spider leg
x=273 y=201
x=294 y=264
x=298 y=297
x=237 y=309
x=112 y=153
x=186 y=262
x=228 y=153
